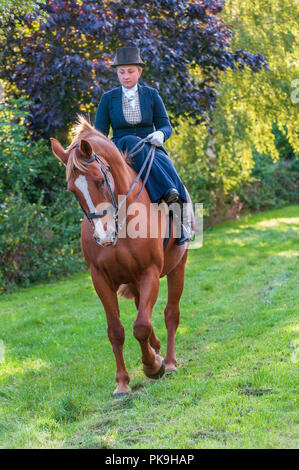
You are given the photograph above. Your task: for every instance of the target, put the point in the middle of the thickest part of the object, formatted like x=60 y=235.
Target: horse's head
x=89 y=178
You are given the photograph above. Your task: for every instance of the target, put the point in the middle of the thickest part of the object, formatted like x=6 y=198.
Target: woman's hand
x=156 y=138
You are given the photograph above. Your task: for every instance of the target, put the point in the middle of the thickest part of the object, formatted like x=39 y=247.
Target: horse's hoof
x=121 y=391
x=170 y=371
x=170 y=366
x=158 y=374
x=120 y=394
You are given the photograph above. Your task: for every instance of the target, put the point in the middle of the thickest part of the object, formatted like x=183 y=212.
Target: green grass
x=236 y=345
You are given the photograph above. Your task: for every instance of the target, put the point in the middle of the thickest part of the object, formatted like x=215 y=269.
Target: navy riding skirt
x=163 y=175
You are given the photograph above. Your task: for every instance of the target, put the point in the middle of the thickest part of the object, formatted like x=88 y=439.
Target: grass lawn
x=236 y=345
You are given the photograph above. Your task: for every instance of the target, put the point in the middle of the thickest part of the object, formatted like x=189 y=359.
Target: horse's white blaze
x=99 y=230
x=82 y=185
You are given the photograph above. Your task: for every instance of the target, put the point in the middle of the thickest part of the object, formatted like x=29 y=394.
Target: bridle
x=105 y=168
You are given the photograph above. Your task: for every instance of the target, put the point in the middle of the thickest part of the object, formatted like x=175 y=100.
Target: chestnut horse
x=129 y=266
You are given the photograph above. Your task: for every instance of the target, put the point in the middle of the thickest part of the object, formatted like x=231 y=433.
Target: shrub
x=38 y=243
x=274 y=185
x=25 y=161
x=39 y=220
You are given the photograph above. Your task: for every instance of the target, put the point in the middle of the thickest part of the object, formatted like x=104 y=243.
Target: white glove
x=156 y=138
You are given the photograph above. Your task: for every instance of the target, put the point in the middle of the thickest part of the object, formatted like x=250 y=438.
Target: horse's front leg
x=153 y=364
x=153 y=339
x=116 y=332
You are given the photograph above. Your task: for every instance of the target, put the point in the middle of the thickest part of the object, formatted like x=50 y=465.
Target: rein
x=104 y=167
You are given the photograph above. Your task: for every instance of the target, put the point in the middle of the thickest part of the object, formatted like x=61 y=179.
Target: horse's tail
x=125 y=291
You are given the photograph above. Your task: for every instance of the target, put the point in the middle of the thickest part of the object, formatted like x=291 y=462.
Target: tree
x=63 y=65
x=13 y=9
x=252 y=109
x=250 y=104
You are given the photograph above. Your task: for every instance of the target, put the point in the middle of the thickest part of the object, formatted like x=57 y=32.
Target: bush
x=274 y=185
x=39 y=220
x=223 y=186
x=37 y=243
x=25 y=161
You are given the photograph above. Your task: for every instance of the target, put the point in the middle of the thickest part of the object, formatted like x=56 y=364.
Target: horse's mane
x=83 y=129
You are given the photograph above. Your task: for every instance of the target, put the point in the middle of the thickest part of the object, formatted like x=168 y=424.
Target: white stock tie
x=130 y=94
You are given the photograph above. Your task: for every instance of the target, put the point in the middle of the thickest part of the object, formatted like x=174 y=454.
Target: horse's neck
x=124 y=177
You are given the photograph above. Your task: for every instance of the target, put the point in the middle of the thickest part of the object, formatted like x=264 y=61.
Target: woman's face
x=128 y=75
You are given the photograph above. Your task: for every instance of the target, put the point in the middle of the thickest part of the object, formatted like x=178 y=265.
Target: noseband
x=105 y=168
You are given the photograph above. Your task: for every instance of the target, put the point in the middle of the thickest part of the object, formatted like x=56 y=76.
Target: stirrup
x=185 y=228
x=186 y=233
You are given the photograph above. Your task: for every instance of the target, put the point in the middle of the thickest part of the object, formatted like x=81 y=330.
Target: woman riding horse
x=136 y=112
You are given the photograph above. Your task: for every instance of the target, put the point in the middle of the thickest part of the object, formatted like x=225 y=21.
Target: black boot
x=171 y=195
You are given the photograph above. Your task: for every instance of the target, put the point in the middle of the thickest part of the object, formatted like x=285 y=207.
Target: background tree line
x=224 y=69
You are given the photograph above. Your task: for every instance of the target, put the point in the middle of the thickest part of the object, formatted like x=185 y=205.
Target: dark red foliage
x=65 y=64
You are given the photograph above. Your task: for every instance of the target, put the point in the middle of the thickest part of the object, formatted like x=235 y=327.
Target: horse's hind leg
x=116 y=332
x=175 y=282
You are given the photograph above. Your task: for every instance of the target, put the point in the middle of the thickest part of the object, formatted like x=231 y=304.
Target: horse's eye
x=101 y=182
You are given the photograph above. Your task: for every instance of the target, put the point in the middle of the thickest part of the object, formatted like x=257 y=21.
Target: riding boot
x=181 y=220
x=170 y=196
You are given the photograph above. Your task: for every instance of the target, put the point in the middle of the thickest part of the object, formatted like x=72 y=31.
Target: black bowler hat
x=128 y=56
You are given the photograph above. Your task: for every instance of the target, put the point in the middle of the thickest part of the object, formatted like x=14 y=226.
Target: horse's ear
x=58 y=150
x=86 y=148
